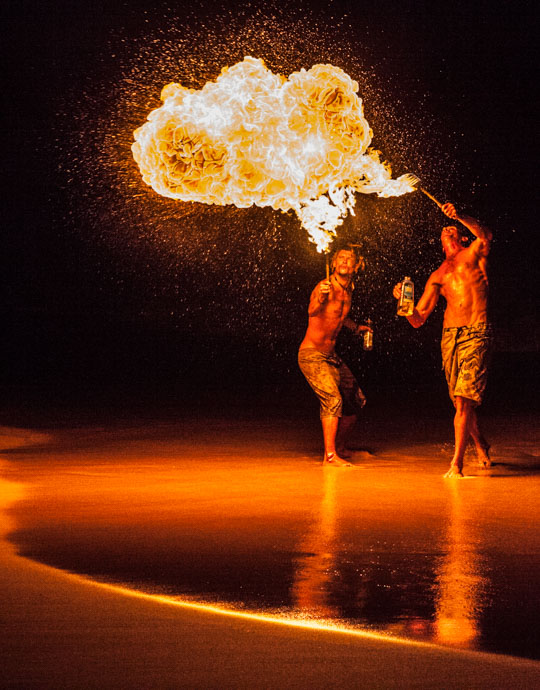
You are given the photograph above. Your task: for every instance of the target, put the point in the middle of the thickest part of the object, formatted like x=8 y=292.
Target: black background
x=116 y=299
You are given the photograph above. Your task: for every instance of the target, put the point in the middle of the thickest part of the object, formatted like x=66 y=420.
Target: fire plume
x=254 y=137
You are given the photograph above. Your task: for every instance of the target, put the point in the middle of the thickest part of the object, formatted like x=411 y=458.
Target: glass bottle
x=406 y=298
x=368 y=336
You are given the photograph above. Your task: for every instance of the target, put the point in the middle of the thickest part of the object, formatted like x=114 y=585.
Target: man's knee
x=464 y=405
x=331 y=407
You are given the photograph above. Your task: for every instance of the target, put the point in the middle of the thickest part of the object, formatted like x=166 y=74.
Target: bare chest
x=340 y=304
x=457 y=272
x=464 y=283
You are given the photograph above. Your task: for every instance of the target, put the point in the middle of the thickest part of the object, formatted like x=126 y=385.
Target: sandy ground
x=62 y=631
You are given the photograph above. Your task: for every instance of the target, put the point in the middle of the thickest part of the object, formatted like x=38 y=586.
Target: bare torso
x=463 y=282
x=326 y=319
x=461 y=279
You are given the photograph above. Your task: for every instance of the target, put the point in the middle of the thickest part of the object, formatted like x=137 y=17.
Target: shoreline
x=64 y=630
x=125 y=638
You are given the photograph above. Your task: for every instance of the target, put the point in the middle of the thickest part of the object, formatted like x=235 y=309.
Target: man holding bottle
x=331 y=379
x=462 y=279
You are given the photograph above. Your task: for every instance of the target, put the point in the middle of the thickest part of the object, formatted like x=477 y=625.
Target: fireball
x=254 y=137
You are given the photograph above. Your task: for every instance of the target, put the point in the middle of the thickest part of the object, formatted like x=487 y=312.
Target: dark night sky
x=104 y=282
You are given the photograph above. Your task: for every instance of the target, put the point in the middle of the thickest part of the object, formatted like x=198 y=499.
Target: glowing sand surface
x=240 y=517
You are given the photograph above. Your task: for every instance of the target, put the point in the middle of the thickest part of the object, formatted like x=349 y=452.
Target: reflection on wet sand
x=460 y=584
x=311 y=587
x=235 y=522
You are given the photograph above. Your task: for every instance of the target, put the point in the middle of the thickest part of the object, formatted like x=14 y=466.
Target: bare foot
x=335 y=460
x=454 y=471
x=483 y=457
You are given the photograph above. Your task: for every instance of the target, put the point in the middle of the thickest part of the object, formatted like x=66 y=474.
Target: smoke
x=253 y=137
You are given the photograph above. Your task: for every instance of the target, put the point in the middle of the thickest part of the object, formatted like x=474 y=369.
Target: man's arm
x=319 y=298
x=483 y=235
x=355 y=327
x=426 y=304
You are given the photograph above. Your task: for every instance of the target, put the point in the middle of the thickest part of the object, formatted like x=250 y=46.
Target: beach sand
x=61 y=630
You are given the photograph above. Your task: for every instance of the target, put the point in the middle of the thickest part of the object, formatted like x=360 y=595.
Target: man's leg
x=345 y=427
x=467 y=376
x=462 y=432
x=482 y=446
x=330 y=427
x=353 y=400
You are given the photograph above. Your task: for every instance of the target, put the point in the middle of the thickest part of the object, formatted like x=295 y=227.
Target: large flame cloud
x=254 y=137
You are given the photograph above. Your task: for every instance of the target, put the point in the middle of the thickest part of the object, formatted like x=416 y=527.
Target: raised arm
x=426 y=304
x=483 y=235
x=319 y=298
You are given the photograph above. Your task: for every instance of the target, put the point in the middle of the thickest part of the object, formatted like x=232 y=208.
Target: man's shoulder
x=436 y=277
x=480 y=247
x=474 y=252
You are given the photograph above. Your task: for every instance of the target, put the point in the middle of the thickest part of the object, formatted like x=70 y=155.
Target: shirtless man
x=463 y=281
x=331 y=379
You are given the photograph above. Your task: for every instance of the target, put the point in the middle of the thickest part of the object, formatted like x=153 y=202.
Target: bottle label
x=406 y=300
x=408 y=293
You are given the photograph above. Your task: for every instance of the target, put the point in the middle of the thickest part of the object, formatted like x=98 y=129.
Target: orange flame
x=254 y=137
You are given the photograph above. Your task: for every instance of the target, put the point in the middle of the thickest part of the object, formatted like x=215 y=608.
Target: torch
x=413 y=180
x=431 y=197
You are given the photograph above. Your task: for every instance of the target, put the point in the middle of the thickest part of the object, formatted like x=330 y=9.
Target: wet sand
x=335 y=548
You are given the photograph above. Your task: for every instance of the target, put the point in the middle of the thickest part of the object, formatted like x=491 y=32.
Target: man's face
x=345 y=262
x=450 y=235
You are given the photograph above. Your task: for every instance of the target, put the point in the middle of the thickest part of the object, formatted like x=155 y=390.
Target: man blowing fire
x=462 y=279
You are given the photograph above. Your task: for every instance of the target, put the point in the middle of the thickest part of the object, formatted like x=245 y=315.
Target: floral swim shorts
x=333 y=382
x=465 y=355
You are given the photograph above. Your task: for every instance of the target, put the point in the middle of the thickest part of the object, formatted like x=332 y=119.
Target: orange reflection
x=11 y=492
x=313 y=575
x=459 y=579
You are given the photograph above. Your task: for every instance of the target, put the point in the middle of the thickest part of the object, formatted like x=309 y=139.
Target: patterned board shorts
x=465 y=354
x=333 y=382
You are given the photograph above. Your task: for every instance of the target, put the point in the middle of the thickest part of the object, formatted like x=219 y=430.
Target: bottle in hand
x=368 y=336
x=406 y=298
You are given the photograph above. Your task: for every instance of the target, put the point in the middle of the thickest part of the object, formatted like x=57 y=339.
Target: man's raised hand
x=325 y=286
x=450 y=211
x=324 y=290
